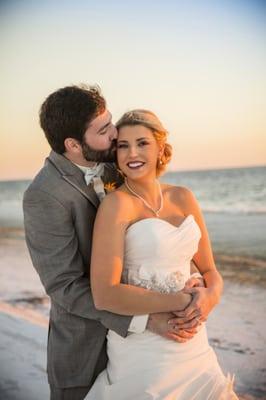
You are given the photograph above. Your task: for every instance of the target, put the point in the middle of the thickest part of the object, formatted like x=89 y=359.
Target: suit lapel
x=86 y=191
x=74 y=176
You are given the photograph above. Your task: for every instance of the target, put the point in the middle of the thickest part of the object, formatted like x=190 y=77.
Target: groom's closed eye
x=104 y=129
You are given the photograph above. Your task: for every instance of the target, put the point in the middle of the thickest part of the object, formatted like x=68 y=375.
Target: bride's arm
x=204 y=256
x=107 y=264
x=204 y=299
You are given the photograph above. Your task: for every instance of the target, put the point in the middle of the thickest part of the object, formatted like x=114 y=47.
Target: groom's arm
x=54 y=249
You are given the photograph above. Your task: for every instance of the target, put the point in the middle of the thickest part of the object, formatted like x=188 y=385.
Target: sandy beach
x=236 y=327
x=23 y=359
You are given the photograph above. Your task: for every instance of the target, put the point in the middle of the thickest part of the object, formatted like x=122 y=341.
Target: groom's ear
x=72 y=145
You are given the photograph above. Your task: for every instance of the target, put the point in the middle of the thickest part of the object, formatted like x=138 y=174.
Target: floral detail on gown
x=154 y=279
x=147 y=366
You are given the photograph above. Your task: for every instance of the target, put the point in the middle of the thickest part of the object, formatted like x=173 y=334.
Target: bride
x=145 y=236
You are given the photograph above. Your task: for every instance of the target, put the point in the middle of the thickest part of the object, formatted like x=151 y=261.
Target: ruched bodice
x=158 y=254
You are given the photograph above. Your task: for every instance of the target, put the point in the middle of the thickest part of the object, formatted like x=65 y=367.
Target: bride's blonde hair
x=151 y=121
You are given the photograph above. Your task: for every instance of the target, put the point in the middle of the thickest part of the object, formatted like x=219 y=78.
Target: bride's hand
x=158 y=323
x=198 y=310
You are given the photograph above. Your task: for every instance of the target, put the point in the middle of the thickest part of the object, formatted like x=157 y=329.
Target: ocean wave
x=11 y=213
x=244 y=210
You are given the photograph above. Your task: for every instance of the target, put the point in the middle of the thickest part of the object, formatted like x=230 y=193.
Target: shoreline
x=29 y=315
x=245 y=270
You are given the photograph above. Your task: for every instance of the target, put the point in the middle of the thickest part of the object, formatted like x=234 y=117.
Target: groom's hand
x=159 y=323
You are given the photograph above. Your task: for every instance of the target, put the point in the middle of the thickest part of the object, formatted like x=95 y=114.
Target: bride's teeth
x=135 y=164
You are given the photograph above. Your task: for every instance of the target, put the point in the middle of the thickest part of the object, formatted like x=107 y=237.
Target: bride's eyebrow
x=138 y=140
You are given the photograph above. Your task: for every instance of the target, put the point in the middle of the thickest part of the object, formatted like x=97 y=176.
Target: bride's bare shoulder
x=174 y=191
x=180 y=195
x=116 y=204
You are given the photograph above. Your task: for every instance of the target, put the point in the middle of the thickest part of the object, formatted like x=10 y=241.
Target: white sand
x=23 y=360
x=236 y=330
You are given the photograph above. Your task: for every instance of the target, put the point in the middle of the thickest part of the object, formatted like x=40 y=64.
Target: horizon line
x=216 y=168
x=171 y=171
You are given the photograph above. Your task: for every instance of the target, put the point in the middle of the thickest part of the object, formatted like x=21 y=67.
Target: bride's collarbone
x=175 y=219
x=171 y=213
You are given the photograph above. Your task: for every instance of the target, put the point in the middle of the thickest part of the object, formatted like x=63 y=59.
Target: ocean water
x=224 y=191
x=230 y=191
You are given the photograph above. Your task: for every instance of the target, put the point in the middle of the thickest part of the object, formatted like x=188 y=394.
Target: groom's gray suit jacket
x=59 y=212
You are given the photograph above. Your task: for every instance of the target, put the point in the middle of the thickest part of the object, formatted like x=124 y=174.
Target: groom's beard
x=91 y=154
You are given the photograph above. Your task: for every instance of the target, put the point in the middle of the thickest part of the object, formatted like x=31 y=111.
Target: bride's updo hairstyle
x=151 y=121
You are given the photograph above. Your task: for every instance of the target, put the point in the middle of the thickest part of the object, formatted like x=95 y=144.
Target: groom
x=60 y=206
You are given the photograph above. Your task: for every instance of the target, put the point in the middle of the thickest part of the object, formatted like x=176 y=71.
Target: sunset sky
x=200 y=65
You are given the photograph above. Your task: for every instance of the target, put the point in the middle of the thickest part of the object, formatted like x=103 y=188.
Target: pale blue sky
x=200 y=65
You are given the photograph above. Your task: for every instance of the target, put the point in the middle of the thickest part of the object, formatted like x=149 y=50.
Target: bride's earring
x=160 y=156
x=160 y=161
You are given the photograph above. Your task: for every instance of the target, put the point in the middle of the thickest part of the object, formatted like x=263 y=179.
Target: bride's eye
x=144 y=143
x=121 y=146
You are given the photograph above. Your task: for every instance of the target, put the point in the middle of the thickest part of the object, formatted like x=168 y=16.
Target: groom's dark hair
x=67 y=112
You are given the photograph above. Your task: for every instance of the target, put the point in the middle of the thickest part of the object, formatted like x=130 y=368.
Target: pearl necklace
x=156 y=212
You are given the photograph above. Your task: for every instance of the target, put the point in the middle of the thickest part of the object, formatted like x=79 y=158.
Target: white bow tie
x=93 y=174
x=90 y=173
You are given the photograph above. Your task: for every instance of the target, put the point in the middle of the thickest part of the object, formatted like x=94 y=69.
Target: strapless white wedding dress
x=147 y=366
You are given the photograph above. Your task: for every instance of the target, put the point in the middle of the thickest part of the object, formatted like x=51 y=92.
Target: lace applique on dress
x=149 y=278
